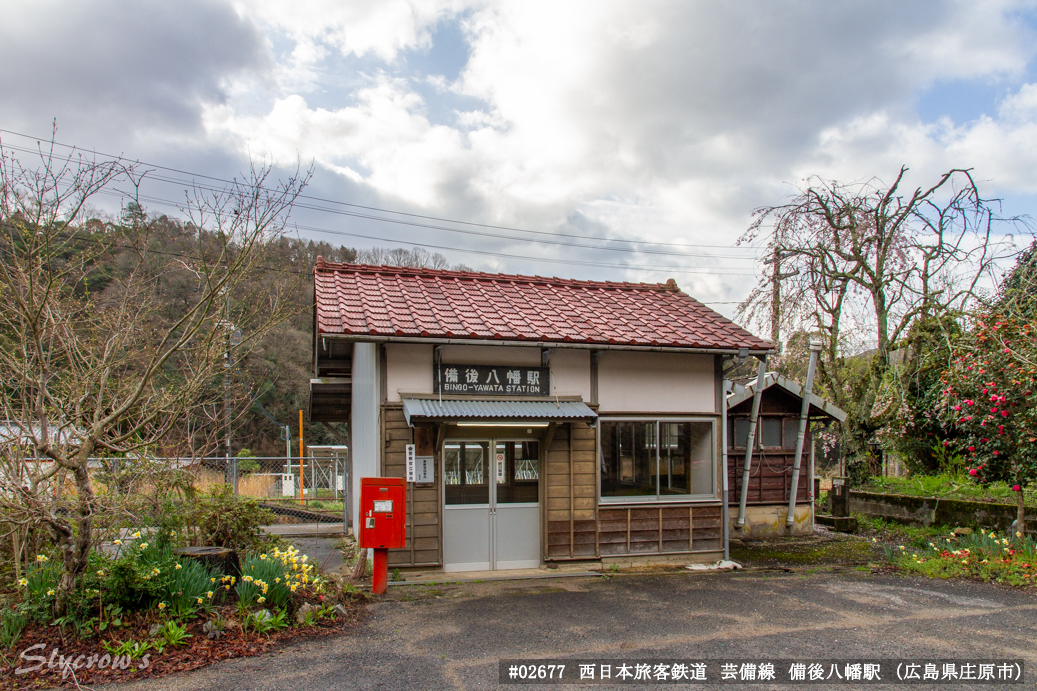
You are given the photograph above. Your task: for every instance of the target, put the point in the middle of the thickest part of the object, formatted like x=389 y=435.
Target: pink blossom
x=957 y=407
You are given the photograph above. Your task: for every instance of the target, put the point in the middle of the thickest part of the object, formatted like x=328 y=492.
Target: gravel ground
x=452 y=636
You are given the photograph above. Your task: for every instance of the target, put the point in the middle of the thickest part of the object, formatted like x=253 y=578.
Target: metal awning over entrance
x=418 y=410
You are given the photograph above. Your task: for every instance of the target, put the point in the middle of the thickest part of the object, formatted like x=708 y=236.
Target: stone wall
x=934 y=511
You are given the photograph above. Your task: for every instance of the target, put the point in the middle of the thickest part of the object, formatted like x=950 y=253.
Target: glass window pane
x=518 y=472
x=464 y=473
x=452 y=464
x=771 y=431
x=686 y=458
x=741 y=433
x=791 y=432
x=473 y=465
x=628 y=459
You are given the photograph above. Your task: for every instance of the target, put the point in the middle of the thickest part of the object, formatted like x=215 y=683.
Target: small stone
x=153 y=631
x=962 y=531
x=300 y=616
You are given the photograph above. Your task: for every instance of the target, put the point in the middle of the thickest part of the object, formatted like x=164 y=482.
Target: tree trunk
x=77 y=543
x=1020 y=521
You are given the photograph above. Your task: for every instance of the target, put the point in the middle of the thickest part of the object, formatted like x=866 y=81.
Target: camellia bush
x=990 y=398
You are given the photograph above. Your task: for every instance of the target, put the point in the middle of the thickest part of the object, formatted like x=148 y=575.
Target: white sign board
x=287 y=485
x=424 y=469
x=420 y=469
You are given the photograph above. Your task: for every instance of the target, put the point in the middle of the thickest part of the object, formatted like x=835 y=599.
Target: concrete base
x=840 y=524
x=769 y=521
x=430 y=577
x=636 y=561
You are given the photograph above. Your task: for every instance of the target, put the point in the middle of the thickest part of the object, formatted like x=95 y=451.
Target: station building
x=541 y=420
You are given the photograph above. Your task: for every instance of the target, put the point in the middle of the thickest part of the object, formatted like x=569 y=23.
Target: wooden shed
x=770 y=472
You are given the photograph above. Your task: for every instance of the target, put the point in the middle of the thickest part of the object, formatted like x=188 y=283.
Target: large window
x=657 y=459
x=771 y=432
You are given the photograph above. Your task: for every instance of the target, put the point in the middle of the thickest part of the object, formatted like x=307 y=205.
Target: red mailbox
x=383 y=520
x=383 y=512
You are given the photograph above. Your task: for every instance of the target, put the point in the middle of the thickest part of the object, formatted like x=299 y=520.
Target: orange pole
x=301 y=452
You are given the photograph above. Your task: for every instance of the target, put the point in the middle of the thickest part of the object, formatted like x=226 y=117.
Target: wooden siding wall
x=572 y=490
x=770 y=478
x=577 y=528
x=424 y=512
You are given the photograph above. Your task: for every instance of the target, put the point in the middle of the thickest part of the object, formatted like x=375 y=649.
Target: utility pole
x=776 y=278
x=232 y=337
x=775 y=296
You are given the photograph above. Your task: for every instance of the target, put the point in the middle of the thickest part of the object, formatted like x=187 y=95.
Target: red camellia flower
x=973 y=471
x=1017 y=488
x=971 y=448
x=1004 y=413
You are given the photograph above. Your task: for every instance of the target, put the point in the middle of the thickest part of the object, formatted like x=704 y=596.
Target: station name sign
x=509 y=380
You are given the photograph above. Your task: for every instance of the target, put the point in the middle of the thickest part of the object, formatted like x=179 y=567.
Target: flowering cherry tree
x=990 y=396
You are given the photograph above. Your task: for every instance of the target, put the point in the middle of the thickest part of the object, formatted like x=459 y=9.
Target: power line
x=391 y=211
x=444 y=228
x=448 y=248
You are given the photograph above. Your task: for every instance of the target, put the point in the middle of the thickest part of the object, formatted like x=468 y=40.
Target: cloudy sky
x=598 y=139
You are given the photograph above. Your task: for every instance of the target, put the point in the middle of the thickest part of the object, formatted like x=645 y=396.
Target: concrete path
x=452 y=636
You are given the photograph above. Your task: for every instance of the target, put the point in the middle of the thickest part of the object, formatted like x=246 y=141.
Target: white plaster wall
x=408 y=369
x=491 y=355
x=365 y=428
x=630 y=381
x=571 y=373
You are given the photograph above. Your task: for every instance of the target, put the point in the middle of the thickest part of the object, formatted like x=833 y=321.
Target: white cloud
x=658 y=120
x=379 y=27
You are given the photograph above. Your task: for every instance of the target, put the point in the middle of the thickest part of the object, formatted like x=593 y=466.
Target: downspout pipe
x=723 y=445
x=761 y=373
x=804 y=419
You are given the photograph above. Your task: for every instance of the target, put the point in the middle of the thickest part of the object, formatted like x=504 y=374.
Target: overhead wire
x=380 y=209
x=448 y=248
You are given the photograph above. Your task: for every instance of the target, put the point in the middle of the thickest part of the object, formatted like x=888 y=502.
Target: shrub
x=12 y=623
x=270 y=579
x=225 y=520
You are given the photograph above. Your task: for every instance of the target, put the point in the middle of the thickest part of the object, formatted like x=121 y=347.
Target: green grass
x=1002 y=558
x=889 y=531
x=947 y=486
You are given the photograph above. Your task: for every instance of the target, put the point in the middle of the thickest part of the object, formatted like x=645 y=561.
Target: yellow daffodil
x=162 y=605
x=143 y=545
x=261 y=600
x=101 y=572
x=200 y=600
x=23 y=582
x=41 y=557
x=178 y=565
x=50 y=592
x=210 y=593
x=136 y=534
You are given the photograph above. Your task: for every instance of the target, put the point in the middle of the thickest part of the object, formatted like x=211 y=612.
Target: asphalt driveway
x=452 y=636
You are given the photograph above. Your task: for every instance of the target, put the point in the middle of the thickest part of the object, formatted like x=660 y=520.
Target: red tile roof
x=392 y=301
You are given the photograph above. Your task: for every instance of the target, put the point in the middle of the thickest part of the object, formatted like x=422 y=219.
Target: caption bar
x=856 y=672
